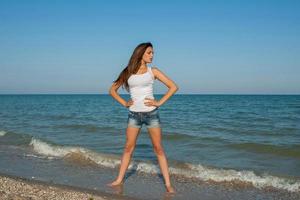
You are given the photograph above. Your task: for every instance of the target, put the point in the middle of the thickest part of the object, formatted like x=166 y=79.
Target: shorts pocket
x=154 y=115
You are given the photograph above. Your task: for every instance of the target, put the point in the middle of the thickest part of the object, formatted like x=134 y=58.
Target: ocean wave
x=47 y=149
x=12 y=138
x=186 y=170
x=2 y=133
x=246 y=176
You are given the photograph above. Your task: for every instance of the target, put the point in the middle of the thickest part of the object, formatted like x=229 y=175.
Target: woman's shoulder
x=154 y=70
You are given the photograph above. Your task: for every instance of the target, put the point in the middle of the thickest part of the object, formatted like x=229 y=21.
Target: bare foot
x=170 y=189
x=115 y=183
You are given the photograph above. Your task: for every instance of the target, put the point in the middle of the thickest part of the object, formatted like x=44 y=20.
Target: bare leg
x=131 y=136
x=155 y=134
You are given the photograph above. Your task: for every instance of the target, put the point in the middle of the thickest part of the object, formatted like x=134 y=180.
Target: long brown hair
x=133 y=65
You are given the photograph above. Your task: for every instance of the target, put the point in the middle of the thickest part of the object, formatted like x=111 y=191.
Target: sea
x=217 y=146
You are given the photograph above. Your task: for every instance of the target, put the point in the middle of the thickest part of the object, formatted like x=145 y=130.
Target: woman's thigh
x=131 y=135
x=155 y=135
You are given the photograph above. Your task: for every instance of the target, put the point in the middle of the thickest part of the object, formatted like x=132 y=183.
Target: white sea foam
x=44 y=148
x=2 y=133
x=190 y=171
x=220 y=175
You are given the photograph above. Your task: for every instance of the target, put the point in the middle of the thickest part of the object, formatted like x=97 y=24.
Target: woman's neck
x=143 y=66
x=142 y=69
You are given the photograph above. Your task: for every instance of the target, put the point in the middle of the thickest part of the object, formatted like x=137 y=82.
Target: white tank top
x=141 y=87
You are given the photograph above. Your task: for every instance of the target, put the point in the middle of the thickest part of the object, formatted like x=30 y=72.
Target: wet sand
x=16 y=188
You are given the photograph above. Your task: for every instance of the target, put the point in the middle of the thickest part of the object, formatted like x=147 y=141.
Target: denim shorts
x=151 y=119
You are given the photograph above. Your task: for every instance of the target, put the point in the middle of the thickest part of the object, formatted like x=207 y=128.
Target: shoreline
x=18 y=188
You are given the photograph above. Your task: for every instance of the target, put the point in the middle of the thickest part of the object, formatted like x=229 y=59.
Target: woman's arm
x=113 y=92
x=168 y=82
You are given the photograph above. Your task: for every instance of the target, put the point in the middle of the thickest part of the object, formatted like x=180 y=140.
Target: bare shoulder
x=161 y=76
x=154 y=68
x=155 y=71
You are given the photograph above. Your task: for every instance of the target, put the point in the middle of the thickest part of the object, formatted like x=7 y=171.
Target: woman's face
x=148 y=55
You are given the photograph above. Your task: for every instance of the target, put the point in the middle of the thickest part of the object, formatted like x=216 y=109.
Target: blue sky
x=206 y=47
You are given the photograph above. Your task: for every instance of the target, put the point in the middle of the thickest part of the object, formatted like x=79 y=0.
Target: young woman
x=138 y=80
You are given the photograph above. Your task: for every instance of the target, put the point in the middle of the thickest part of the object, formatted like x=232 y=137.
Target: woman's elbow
x=111 y=91
x=175 y=88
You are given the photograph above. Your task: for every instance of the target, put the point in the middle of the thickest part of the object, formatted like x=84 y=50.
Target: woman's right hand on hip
x=129 y=103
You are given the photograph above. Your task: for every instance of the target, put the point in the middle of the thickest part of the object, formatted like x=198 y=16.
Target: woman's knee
x=129 y=147
x=158 y=149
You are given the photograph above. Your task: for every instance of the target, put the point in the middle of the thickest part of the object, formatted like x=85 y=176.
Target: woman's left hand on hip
x=151 y=102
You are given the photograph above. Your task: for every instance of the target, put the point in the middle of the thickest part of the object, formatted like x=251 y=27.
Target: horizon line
x=153 y=94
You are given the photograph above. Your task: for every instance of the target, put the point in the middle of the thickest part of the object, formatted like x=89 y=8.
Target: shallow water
x=250 y=138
